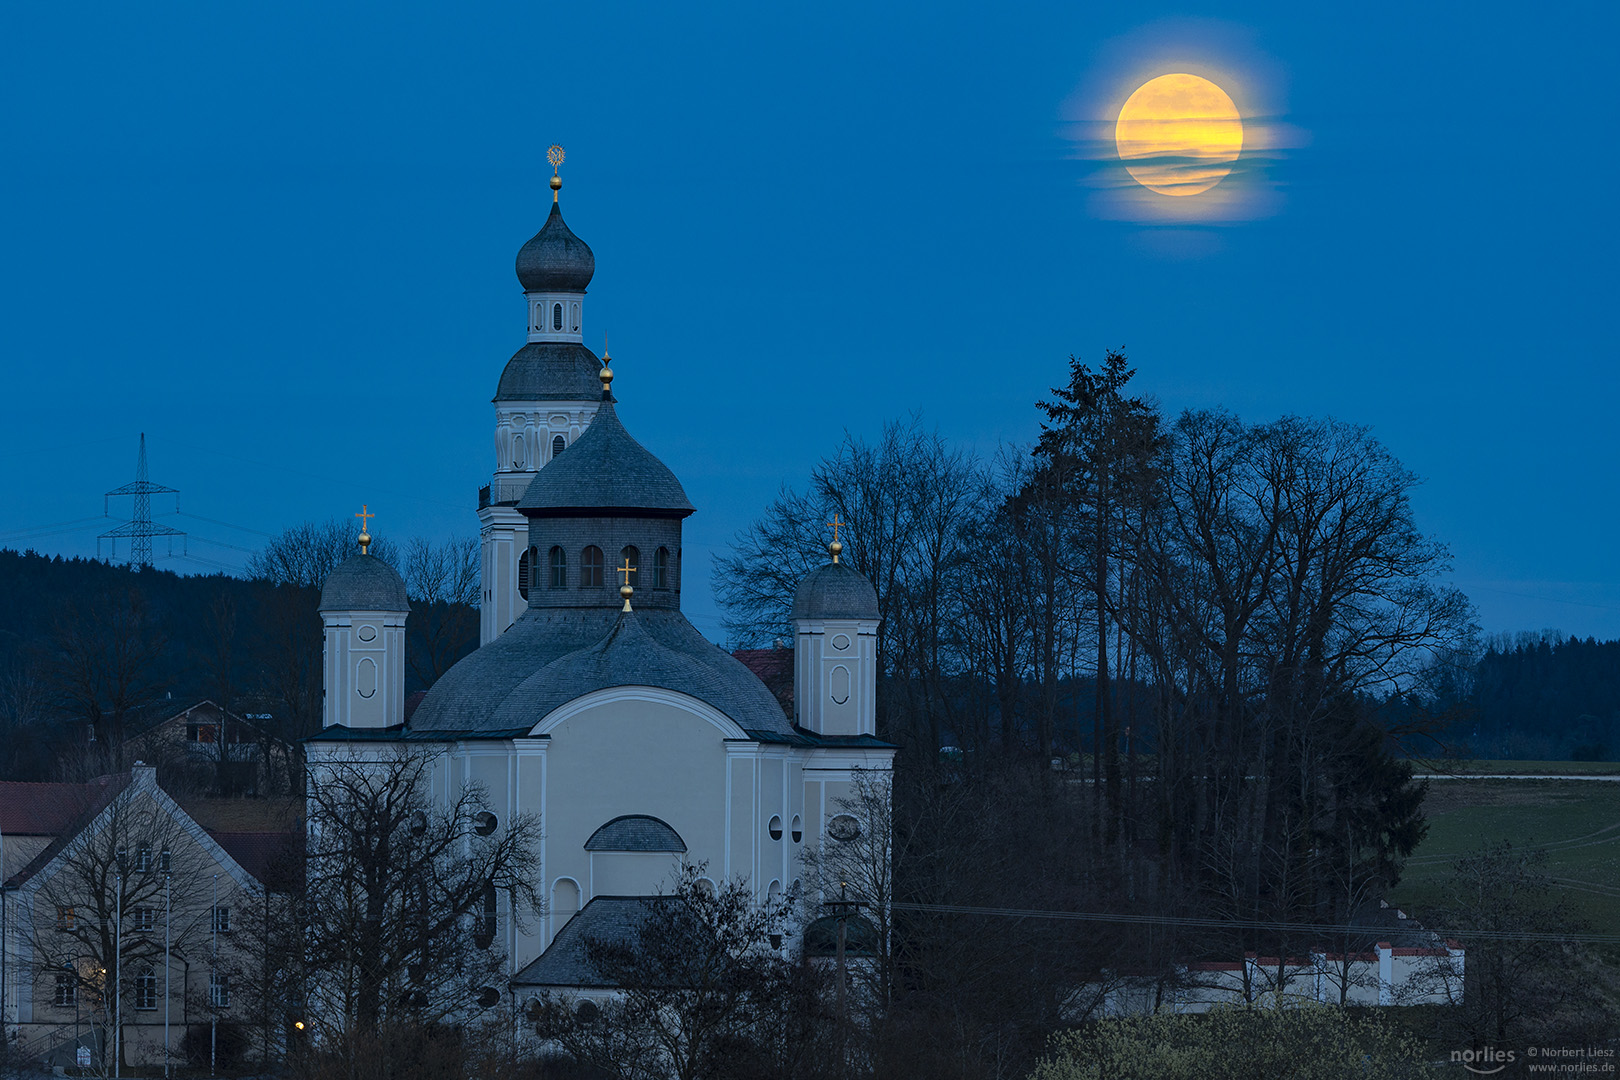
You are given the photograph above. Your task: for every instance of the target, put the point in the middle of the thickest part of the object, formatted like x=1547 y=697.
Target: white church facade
x=638 y=743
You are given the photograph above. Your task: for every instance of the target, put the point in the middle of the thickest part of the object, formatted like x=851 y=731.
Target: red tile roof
x=775 y=669
x=48 y=809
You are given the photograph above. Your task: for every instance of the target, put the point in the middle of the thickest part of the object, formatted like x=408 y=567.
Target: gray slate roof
x=606 y=918
x=551 y=371
x=636 y=832
x=606 y=472
x=554 y=259
x=551 y=656
x=835 y=591
x=364 y=583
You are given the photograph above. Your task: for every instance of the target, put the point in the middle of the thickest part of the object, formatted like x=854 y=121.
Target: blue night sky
x=279 y=240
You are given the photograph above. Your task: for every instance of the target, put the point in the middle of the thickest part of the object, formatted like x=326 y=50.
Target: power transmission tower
x=139 y=528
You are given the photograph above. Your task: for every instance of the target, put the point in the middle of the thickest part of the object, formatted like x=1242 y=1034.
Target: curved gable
x=636 y=832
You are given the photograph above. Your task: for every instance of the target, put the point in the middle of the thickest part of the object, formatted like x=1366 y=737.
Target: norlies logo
x=1484 y=1061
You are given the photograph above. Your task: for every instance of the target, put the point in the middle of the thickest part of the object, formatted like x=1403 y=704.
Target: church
x=591 y=701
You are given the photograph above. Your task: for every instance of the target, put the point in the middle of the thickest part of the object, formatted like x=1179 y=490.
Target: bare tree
x=130 y=874
x=443 y=582
x=405 y=893
x=306 y=553
x=102 y=662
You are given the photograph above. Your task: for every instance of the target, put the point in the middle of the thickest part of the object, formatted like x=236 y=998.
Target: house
x=119 y=919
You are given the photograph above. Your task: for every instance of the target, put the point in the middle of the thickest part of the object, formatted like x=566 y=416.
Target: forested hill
x=1546 y=699
x=82 y=640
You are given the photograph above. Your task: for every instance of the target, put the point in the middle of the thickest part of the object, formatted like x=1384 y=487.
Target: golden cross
x=365 y=518
x=626 y=570
x=835 y=525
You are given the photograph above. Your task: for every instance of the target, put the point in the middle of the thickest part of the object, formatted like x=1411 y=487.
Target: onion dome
x=606 y=473
x=835 y=591
x=554 y=259
x=364 y=583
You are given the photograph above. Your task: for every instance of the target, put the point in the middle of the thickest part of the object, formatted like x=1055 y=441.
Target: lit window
x=590 y=567
x=64 y=918
x=146 y=991
x=661 y=568
x=523 y=574
x=222 y=919
x=559 y=568
x=219 y=991
x=67 y=990
x=141 y=918
x=632 y=555
x=556 y=316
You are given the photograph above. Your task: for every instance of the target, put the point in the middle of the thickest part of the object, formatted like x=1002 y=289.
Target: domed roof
x=550 y=657
x=364 y=583
x=606 y=472
x=835 y=591
x=551 y=371
x=554 y=259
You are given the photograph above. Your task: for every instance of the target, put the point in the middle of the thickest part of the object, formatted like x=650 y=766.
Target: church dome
x=551 y=371
x=605 y=473
x=364 y=583
x=835 y=591
x=554 y=259
x=548 y=658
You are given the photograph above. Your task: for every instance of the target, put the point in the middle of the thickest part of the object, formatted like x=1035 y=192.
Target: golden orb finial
x=626 y=592
x=555 y=156
x=606 y=374
x=836 y=548
x=365 y=517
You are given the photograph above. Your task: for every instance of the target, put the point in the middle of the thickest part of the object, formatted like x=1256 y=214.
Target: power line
x=226 y=524
x=55 y=527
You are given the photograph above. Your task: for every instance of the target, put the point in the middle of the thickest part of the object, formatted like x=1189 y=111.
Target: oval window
x=776 y=828
x=840 y=642
x=367 y=633
x=798 y=830
x=365 y=678
x=839 y=684
x=844 y=827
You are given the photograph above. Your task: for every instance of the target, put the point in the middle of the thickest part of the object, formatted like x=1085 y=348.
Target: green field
x=1477 y=767
x=1577 y=821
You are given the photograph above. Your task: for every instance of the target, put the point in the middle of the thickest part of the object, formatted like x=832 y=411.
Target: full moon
x=1179 y=134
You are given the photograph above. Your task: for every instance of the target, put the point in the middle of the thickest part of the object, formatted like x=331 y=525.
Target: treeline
x=1158 y=646
x=1540 y=696
x=93 y=653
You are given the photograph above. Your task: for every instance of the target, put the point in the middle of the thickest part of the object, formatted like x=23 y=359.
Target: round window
x=484 y=823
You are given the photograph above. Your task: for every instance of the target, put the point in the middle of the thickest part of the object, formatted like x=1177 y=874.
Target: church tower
x=363 y=610
x=835 y=623
x=547 y=396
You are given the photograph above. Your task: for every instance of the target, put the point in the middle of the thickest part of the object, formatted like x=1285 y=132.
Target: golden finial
x=625 y=590
x=365 y=519
x=835 y=547
x=555 y=156
x=606 y=374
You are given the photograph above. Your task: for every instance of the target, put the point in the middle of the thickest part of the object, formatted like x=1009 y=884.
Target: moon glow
x=1179 y=134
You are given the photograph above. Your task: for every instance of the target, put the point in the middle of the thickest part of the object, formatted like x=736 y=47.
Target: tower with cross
x=547 y=396
x=835 y=623
x=363 y=611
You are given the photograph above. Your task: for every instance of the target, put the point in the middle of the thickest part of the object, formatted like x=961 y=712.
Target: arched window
x=559 y=568
x=590 y=567
x=660 y=574
x=556 y=316
x=484 y=928
x=632 y=555
x=557 y=445
x=524 y=562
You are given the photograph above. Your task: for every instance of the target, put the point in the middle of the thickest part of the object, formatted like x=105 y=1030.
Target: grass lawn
x=1505 y=768
x=1577 y=821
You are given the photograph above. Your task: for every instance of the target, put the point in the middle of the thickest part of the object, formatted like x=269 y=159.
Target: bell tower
x=547 y=396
